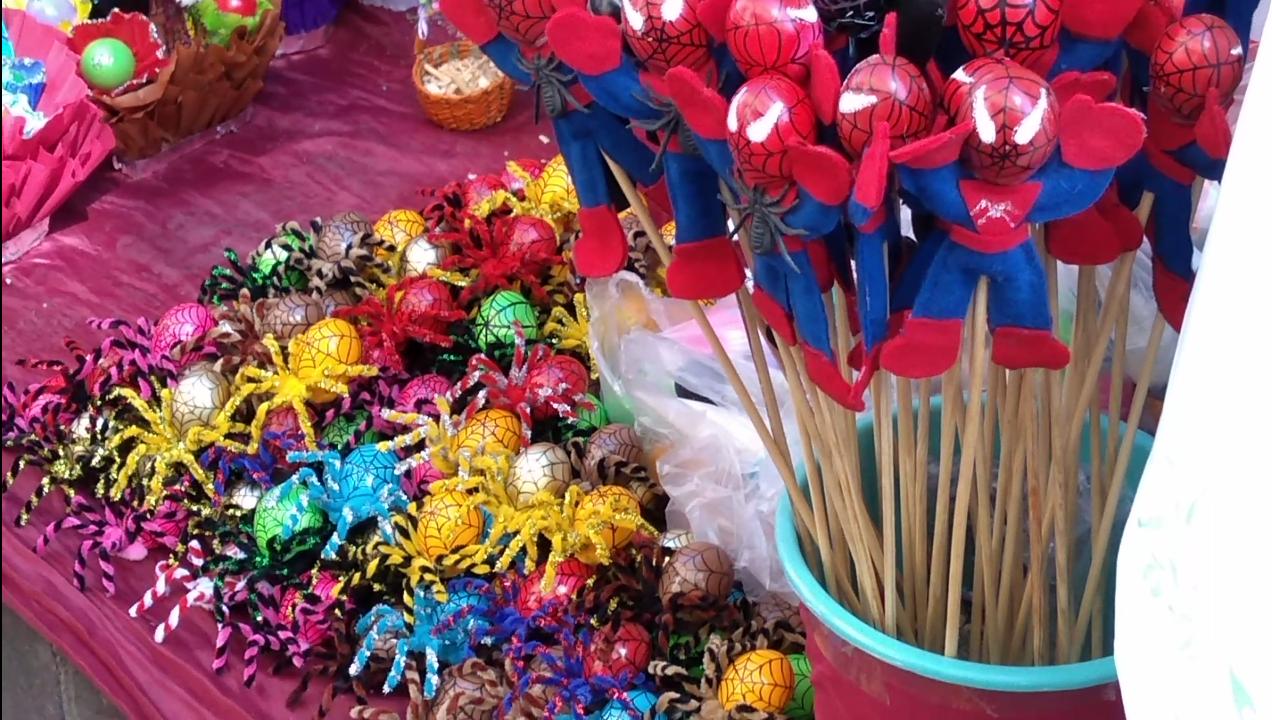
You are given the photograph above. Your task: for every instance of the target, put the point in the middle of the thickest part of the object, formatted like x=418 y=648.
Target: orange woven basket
x=474 y=111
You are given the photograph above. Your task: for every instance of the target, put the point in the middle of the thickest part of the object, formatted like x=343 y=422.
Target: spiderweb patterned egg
x=698 y=566
x=282 y=506
x=199 y=396
x=331 y=343
x=471 y=690
x=419 y=255
x=540 y=467
x=615 y=439
x=498 y=316
x=290 y=315
x=181 y=323
x=340 y=235
x=493 y=429
x=421 y=393
x=763 y=679
x=572 y=576
x=625 y=650
x=397 y=227
x=801 y=704
x=676 y=539
x=602 y=504
x=448 y=522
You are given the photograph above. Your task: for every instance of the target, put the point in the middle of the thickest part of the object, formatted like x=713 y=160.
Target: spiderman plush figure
x=1018 y=152
x=763 y=143
x=512 y=33
x=660 y=35
x=1196 y=67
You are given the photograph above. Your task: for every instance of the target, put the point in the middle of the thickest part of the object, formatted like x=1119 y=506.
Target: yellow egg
x=398 y=227
x=449 y=522
x=553 y=187
x=763 y=679
x=330 y=343
x=601 y=505
x=494 y=430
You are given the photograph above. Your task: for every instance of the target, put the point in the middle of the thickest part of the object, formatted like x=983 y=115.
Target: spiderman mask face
x=883 y=89
x=1195 y=55
x=768 y=115
x=1024 y=31
x=1015 y=121
x=773 y=36
x=663 y=34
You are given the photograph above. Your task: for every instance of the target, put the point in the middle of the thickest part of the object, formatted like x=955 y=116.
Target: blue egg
x=642 y=701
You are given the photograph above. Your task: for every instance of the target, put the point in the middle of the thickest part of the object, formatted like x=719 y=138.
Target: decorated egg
x=594 y=418
x=767 y=116
x=542 y=467
x=428 y=302
x=773 y=37
x=448 y=522
x=328 y=344
x=491 y=430
x=572 y=577
x=675 y=539
x=763 y=679
x=1016 y=120
x=420 y=479
x=558 y=375
x=481 y=189
x=420 y=254
x=526 y=234
x=421 y=393
x=246 y=495
x=340 y=235
x=284 y=511
x=181 y=324
x=640 y=700
x=552 y=188
x=608 y=515
x=199 y=396
x=497 y=319
x=398 y=227
x=1196 y=54
x=108 y=64
x=615 y=439
x=290 y=315
x=801 y=705
x=698 y=567
x=1024 y=31
x=344 y=429
x=625 y=650
x=774 y=608
x=471 y=690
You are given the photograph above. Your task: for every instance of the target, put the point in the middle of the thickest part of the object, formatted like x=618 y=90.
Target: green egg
x=497 y=319
x=801 y=705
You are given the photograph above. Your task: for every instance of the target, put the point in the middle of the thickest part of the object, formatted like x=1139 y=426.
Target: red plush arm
x=933 y=151
x=1148 y=25
x=472 y=18
x=712 y=14
x=1099 y=137
x=823 y=84
x=591 y=44
x=872 y=171
x=824 y=173
x=701 y=107
x=1214 y=136
x=1099 y=19
x=1098 y=86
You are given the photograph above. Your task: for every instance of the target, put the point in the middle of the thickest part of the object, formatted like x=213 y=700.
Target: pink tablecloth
x=336 y=129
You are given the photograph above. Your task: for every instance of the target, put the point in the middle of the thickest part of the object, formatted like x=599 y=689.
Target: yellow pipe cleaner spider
x=161 y=441
x=293 y=384
x=571 y=333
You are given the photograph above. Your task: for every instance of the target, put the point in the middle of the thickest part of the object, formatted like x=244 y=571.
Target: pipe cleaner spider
x=228 y=465
x=443 y=631
x=573 y=332
x=344 y=255
x=499 y=254
x=198 y=586
x=360 y=486
x=417 y=308
x=161 y=441
x=538 y=384
x=294 y=383
x=267 y=272
x=131 y=356
x=112 y=530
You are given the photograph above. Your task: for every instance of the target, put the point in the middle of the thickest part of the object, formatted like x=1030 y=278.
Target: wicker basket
x=460 y=112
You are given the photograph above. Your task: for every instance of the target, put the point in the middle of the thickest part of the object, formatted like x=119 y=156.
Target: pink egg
x=420 y=394
x=180 y=324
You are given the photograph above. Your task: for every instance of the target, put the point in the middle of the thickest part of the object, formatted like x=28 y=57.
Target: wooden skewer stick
x=888 y=499
x=940 y=531
x=967 y=459
x=920 y=490
x=908 y=490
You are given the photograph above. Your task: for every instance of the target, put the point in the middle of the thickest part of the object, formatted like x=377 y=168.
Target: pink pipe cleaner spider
x=538 y=384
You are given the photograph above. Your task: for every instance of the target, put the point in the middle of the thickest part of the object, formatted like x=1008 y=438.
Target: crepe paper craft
x=512 y=34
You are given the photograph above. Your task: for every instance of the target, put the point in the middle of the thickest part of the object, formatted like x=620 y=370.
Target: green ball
x=801 y=704
x=108 y=64
x=497 y=318
x=595 y=419
x=284 y=507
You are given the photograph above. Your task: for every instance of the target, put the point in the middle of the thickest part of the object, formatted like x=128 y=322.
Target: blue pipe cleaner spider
x=259 y=468
x=444 y=632
x=561 y=664
x=360 y=486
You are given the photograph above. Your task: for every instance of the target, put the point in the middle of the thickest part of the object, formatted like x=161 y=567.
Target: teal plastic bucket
x=861 y=673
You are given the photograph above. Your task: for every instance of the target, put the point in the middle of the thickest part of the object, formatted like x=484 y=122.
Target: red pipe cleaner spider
x=538 y=384
x=512 y=252
x=417 y=308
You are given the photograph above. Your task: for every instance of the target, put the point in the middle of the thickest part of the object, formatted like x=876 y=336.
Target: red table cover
x=336 y=129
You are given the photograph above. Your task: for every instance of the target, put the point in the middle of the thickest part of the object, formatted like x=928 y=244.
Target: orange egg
x=763 y=679
x=600 y=506
x=448 y=522
x=493 y=430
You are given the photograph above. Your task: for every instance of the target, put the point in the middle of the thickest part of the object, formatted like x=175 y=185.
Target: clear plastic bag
x=658 y=372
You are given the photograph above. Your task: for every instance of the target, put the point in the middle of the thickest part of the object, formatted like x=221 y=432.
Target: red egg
x=767 y=116
x=625 y=650
x=558 y=376
x=238 y=7
x=1015 y=123
x=526 y=235
x=1196 y=54
x=572 y=576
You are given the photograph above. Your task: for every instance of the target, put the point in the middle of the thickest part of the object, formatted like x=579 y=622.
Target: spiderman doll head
x=773 y=36
x=663 y=34
x=524 y=21
x=954 y=94
x=1014 y=117
x=884 y=88
x=1022 y=30
x=1196 y=54
x=768 y=115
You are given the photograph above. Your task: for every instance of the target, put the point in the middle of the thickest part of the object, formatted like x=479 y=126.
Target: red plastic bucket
x=860 y=673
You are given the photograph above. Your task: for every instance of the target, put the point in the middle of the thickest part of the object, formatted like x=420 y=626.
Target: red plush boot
x=704 y=270
x=1172 y=293
x=924 y=348
x=778 y=319
x=824 y=372
x=601 y=249
x=474 y=20
x=1017 y=348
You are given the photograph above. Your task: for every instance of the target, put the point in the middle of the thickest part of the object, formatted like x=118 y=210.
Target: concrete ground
x=40 y=684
